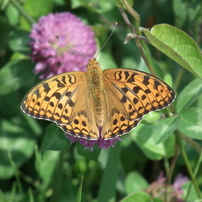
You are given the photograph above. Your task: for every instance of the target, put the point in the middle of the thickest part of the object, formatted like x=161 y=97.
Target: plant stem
x=195 y=173
x=22 y=11
x=188 y=165
x=132 y=11
x=17 y=176
x=179 y=77
x=143 y=49
x=189 y=141
x=173 y=163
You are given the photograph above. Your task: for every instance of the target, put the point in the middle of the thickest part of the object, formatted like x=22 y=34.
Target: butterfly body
x=96 y=90
x=97 y=104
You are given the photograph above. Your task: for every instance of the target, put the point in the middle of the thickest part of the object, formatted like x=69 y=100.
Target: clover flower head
x=50 y=54
x=178 y=182
x=160 y=188
x=88 y=144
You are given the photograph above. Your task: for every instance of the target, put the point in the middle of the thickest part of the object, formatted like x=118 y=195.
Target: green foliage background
x=38 y=164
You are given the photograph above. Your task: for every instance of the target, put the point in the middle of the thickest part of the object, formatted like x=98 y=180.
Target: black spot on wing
x=59 y=83
x=136 y=89
x=132 y=78
x=60 y=106
x=57 y=95
x=46 y=87
x=146 y=80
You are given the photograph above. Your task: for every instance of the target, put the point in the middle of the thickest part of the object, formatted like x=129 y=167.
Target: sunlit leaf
x=189 y=95
x=191 y=122
x=164 y=128
x=177 y=45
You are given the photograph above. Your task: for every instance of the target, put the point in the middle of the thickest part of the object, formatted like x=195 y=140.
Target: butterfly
x=97 y=104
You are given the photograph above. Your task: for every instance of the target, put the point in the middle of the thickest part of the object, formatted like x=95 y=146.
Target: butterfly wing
x=132 y=94
x=83 y=125
x=63 y=99
x=116 y=124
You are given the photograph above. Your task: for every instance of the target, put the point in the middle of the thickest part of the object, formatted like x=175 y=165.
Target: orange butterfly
x=97 y=104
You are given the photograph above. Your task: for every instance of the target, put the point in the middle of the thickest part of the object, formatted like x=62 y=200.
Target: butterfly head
x=93 y=64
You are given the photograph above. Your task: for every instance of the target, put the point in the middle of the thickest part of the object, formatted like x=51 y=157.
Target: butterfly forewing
x=138 y=92
x=55 y=98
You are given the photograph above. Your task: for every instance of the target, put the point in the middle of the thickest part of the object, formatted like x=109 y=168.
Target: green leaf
x=177 y=45
x=139 y=197
x=189 y=95
x=189 y=188
x=12 y=14
x=106 y=61
x=164 y=128
x=119 y=3
x=54 y=139
x=178 y=12
x=191 y=8
x=19 y=40
x=36 y=9
x=94 y=5
x=45 y=168
x=31 y=195
x=194 y=9
x=87 y=153
x=32 y=123
x=77 y=3
x=16 y=147
x=11 y=103
x=168 y=79
x=135 y=182
x=142 y=135
x=59 y=3
x=157 y=200
x=191 y=122
x=15 y=74
x=79 y=193
x=107 y=191
x=152 y=117
x=4 y=37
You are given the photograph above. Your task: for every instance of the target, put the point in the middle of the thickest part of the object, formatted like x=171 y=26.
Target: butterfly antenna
x=73 y=50
x=115 y=25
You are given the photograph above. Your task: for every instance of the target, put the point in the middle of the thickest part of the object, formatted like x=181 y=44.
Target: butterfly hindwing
x=116 y=124
x=83 y=126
